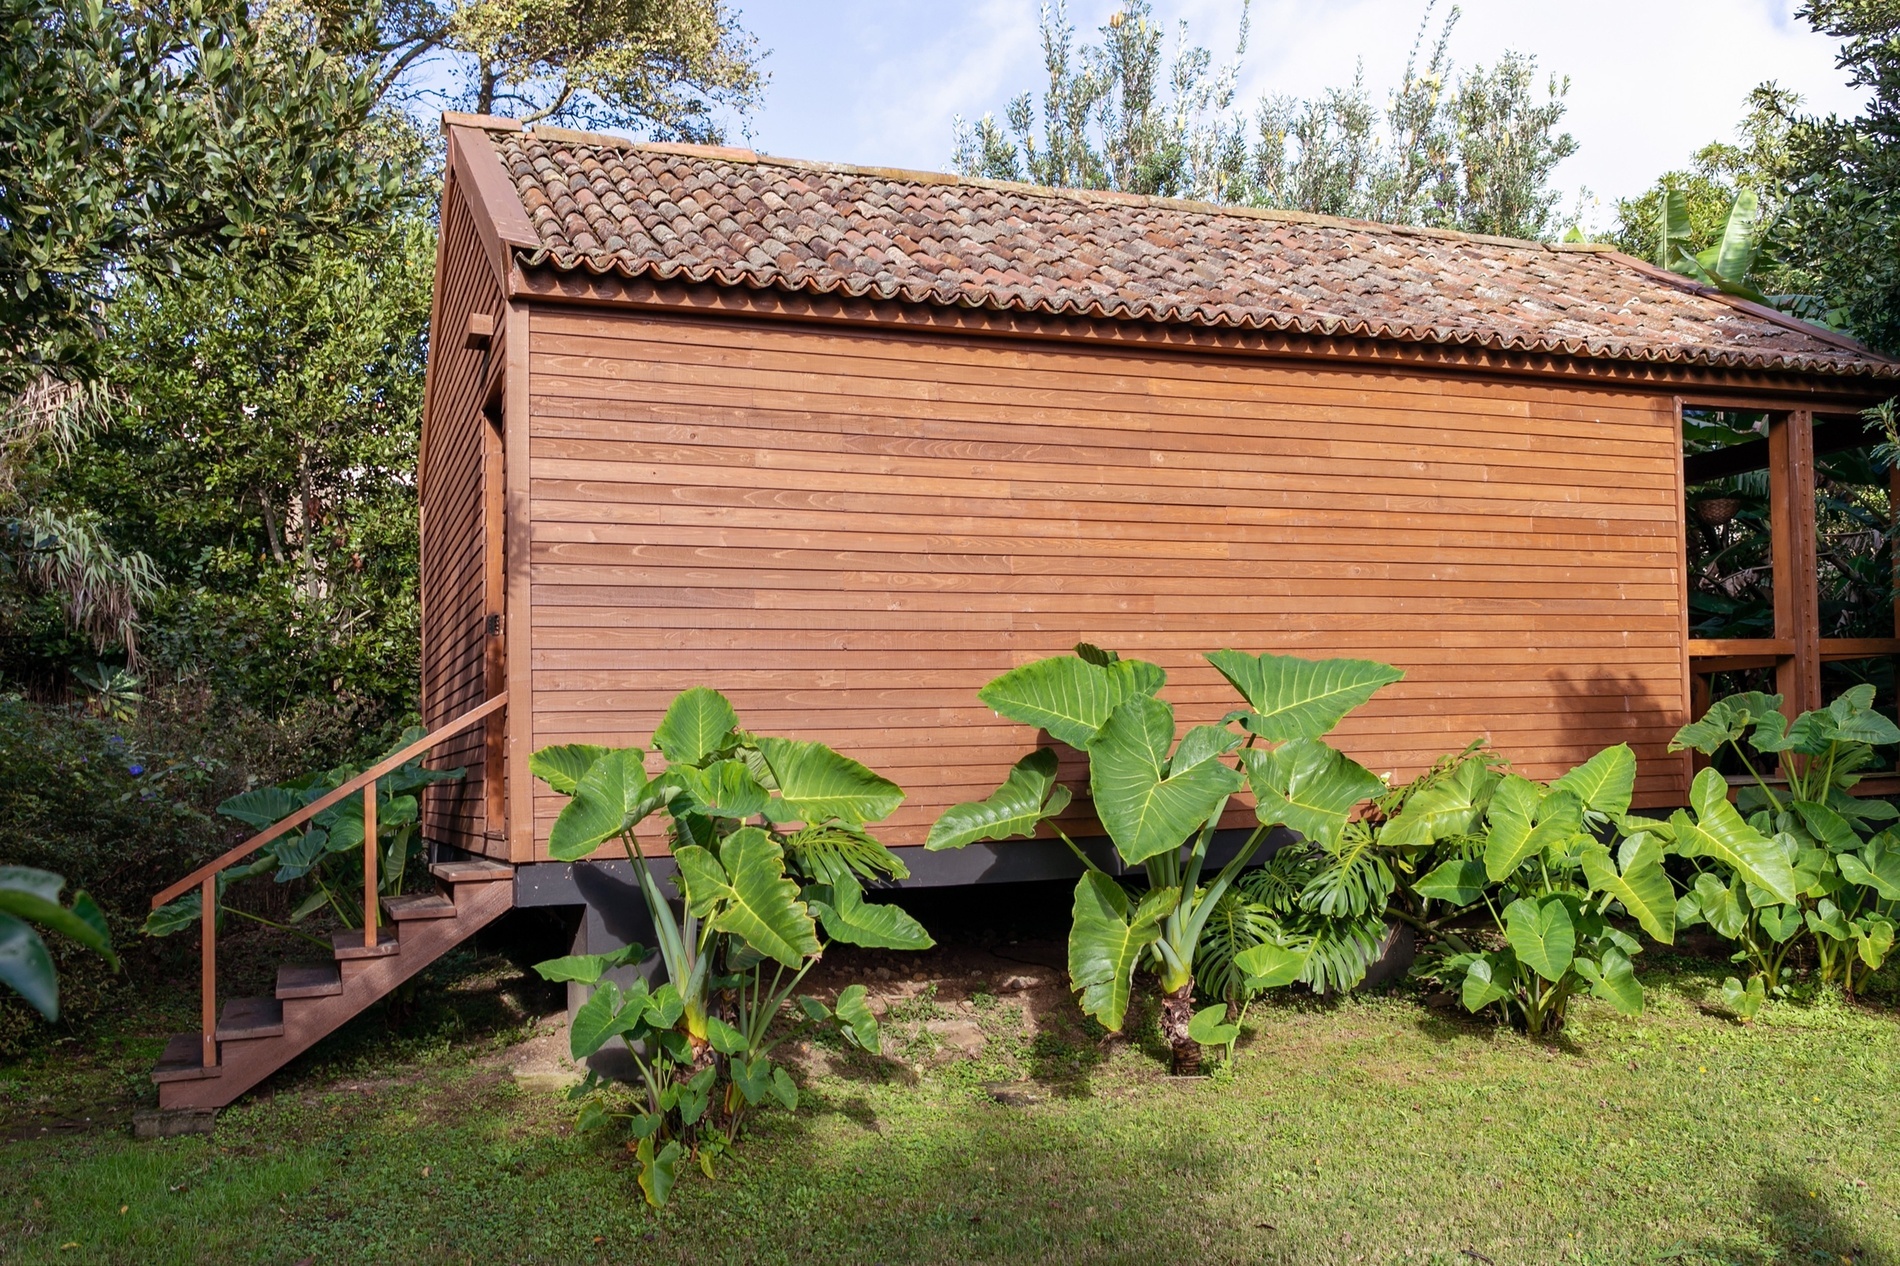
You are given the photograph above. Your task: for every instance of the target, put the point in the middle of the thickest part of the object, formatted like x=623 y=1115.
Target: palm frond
x=100 y=590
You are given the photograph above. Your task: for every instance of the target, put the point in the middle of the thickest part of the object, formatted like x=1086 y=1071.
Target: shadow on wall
x=1601 y=709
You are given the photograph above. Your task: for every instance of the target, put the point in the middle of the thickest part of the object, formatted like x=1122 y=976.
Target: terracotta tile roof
x=732 y=218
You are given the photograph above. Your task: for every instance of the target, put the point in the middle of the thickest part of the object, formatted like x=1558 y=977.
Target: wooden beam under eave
x=1796 y=578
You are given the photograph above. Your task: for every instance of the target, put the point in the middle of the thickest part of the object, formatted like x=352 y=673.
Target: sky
x=880 y=82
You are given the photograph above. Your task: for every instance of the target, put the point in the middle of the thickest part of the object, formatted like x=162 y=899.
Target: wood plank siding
x=456 y=483
x=850 y=531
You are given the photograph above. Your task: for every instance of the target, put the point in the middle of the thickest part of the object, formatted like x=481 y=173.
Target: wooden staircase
x=257 y=1036
x=251 y=1038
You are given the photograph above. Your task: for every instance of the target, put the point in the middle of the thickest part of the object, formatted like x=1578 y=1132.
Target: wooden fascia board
x=1702 y=384
x=500 y=219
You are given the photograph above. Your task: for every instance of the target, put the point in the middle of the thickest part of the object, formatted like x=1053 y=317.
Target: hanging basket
x=1716 y=511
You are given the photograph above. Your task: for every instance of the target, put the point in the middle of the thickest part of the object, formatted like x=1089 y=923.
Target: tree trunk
x=1177 y=1009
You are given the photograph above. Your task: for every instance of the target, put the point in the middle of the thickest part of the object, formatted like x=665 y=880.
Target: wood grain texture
x=851 y=531
x=458 y=572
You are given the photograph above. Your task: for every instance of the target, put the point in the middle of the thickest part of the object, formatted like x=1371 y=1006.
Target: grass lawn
x=1374 y=1129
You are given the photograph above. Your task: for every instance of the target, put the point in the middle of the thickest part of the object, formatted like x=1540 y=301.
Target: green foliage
x=29 y=901
x=1160 y=801
x=770 y=845
x=325 y=856
x=1811 y=864
x=1472 y=152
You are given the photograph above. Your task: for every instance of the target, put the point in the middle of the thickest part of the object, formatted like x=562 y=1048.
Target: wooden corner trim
x=491 y=199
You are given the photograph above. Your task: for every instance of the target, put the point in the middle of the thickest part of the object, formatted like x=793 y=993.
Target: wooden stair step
x=309 y=980
x=348 y=943
x=419 y=905
x=183 y=1060
x=251 y=1017
x=471 y=872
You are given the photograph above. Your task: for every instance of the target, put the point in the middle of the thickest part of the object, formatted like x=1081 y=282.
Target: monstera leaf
x=1604 y=783
x=562 y=767
x=1641 y=886
x=1293 y=698
x=1069 y=697
x=1525 y=820
x=848 y=917
x=1028 y=797
x=611 y=797
x=1106 y=940
x=1718 y=831
x=1309 y=787
x=816 y=784
x=697 y=723
x=825 y=852
x=1147 y=805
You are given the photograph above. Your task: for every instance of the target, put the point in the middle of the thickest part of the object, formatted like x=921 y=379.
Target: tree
x=1475 y=154
x=1841 y=224
x=666 y=66
x=262 y=451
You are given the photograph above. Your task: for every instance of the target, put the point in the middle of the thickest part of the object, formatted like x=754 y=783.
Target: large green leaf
x=1605 y=782
x=1672 y=229
x=1734 y=258
x=1489 y=978
x=1876 y=866
x=1641 y=886
x=1106 y=940
x=855 y=1020
x=1542 y=935
x=657 y=1169
x=837 y=848
x=1067 y=696
x=725 y=788
x=760 y=905
x=1309 y=787
x=26 y=967
x=1027 y=798
x=611 y=797
x=1452 y=806
x=32 y=894
x=1269 y=966
x=697 y=723
x=262 y=806
x=1526 y=819
x=562 y=767
x=1457 y=883
x=1718 y=832
x=1209 y=1026
x=1613 y=980
x=604 y=1016
x=1146 y=808
x=848 y=917
x=818 y=784
x=587 y=969
x=1295 y=698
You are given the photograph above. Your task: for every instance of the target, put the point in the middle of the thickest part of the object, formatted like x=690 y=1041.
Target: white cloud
x=1651 y=80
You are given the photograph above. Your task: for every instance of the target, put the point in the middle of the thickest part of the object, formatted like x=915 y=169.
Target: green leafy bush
x=1810 y=865
x=1160 y=802
x=771 y=839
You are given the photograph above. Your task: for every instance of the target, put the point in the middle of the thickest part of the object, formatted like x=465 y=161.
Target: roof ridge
x=1027 y=189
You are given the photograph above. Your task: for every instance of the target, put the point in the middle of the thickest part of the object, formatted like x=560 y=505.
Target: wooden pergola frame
x=1797 y=650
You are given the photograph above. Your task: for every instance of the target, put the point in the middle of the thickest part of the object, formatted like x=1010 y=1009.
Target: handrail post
x=208 y=959
x=369 y=865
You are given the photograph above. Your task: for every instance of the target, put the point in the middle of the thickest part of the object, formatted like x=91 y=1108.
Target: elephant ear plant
x=1160 y=802
x=1528 y=855
x=1802 y=862
x=769 y=837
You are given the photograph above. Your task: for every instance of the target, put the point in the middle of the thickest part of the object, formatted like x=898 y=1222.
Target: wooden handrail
x=311 y=810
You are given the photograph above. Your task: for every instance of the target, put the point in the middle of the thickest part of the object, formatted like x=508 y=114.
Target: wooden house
x=846 y=443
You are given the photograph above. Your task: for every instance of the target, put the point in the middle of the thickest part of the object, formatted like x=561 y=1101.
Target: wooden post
x=369 y=865
x=208 y=968
x=1796 y=579
x=494 y=641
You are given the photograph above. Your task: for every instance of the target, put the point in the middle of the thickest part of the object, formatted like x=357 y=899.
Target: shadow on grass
x=1794 y=1221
